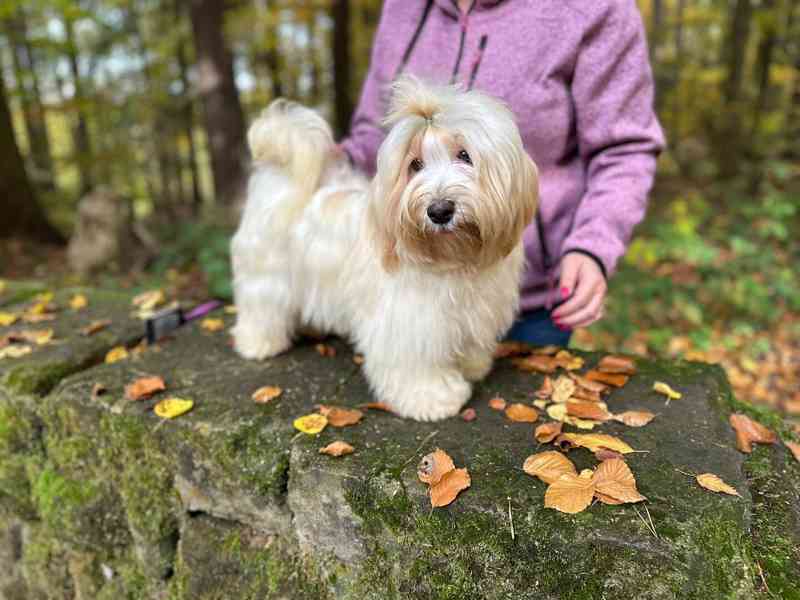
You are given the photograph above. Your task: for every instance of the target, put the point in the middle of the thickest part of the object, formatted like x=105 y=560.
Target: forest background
x=128 y=94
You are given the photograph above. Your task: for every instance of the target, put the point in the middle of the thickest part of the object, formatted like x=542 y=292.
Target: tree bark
x=343 y=104
x=736 y=49
x=83 y=146
x=764 y=56
x=223 y=116
x=22 y=214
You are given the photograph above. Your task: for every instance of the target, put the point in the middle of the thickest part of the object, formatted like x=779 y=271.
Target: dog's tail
x=294 y=139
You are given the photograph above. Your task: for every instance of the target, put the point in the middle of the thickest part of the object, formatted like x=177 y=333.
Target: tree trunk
x=83 y=146
x=343 y=105
x=187 y=115
x=22 y=215
x=656 y=38
x=223 y=116
x=764 y=55
x=736 y=49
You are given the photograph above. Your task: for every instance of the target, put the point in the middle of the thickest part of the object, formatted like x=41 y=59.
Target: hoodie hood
x=451 y=7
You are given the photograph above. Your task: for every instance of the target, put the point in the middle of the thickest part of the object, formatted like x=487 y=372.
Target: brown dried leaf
x=376 y=406
x=602 y=454
x=588 y=384
x=95 y=326
x=594 y=441
x=617 y=364
x=451 y=484
x=795 y=448
x=547 y=432
x=358 y=359
x=635 y=418
x=325 y=350
x=548 y=466
x=715 y=484
x=522 y=413
x=469 y=414
x=505 y=349
x=337 y=448
x=144 y=387
x=563 y=387
x=587 y=395
x=597 y=411
x=434 y=466
x=546 y=350
x=607 y=499
x=546 y=390
x=613 y=478
x=264 y=394
x=341 y=417
x=535 y=362
x=569 y=494
x=568 y=361
x=749 y=432
x=497 y=403
x=558 y=412
x=617 y=380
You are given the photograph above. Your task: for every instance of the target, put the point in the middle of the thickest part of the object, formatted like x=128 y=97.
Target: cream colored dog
x=420 y=268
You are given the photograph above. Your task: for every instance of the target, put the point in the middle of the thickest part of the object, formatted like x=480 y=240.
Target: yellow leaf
x=548 y=466
x=558 y=412
x=311 y=424
x=569 y=494
x=149 y=300
x=337 y=448
x=41 y=337
x=7 y=318
x=540 y=404
x=264 y=394
x=212 y=324
x=594 y=441
x=14 y=351
x=715 y=484
x=563 y=388
x=663 y=388
x=78 y=301
x=2 y=286
x=116 y=354
x=230 y=309
x=169 y=408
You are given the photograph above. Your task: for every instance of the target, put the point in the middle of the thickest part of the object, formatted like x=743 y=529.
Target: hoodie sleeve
x=619 y=137
x=366 y=133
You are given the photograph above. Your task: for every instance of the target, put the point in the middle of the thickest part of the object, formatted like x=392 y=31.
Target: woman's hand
x=584 y=288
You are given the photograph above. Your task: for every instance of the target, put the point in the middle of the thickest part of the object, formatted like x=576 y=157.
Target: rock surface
x=100 y=498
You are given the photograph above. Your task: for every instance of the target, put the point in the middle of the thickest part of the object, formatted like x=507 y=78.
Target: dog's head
x=454 y=187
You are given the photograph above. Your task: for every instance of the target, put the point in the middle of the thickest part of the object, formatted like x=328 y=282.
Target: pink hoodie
x=577 y=76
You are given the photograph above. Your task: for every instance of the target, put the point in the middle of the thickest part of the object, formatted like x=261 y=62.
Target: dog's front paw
x=253 y=344
x=434 y=399
x=475 y=367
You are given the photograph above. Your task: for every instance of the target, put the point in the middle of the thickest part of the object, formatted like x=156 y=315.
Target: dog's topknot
x=411 y=96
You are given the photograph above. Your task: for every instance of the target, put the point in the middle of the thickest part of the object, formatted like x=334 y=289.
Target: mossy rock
x=229 y=501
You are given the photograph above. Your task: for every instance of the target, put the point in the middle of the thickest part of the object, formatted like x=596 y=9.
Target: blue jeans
x=537 y=328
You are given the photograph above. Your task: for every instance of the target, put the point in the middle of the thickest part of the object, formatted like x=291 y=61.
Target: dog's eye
x=416 y=165
x=464 y=157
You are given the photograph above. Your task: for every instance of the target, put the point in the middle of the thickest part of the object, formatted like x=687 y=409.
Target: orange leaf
x=569 y=494
x=548 y=466
x=568 y=361
x=434 y=466
x=617 y=380
x=337 y=448
x=617 y=364
x=95 y=326
x=505 y=349
x=468 y=414
x=635 y=418
x=264 y=394
x=546 y=390
x=451 y=484
x=547 y=432
x=522 y=413
x=594 y=441
x=340 y=417
x=584 y=394
x=588 y=384
x=535 y=362
x=715 y=484
x=549 y=350
x=795 y=448
x=376 y=406
x=613 y=478
x=497 y=403
x=144 y=388
x=588 y=410
x=749 y=431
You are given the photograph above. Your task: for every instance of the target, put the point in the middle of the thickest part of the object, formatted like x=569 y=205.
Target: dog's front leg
x=476 y=363
x=261 y=279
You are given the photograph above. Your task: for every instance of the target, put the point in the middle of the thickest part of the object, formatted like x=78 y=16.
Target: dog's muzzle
x=441 y=211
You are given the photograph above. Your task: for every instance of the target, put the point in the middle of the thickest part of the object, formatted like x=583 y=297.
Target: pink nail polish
x=565 y=292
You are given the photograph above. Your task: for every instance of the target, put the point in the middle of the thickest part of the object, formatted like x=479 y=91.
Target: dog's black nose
x=441 y=211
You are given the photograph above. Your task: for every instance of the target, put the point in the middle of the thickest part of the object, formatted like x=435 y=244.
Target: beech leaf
x=144 y=387
x=497 y=403
x=563 y=388
x=310 y=424
x=749 y=432
x=635 y=418
x=547 y=432
x=451 y=484
x=169 y=408
x=569 y=494
x=434 y=466
x=548 y=466
x=617 y=364
x=264 y=394
x=665 y=389
x=337 y=448
x=522 y=413
x=595 y=441
x=341 y=417
x=715 y=484
x=613 y=478
x=614 y=379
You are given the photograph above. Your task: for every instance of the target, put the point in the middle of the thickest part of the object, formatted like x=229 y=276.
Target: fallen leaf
x=549 y=350
x=505 y=349
x=563 y=387
x=715 y=484
x=596 y=411
x=377 y=406
x=546 y=390
x=95 y=326
x=38 y=318
x=264 y=394
x=144 y=388
x=547 y=432
x=795 y=448
x=635 y=418
x=311 y=424
x=78 y=301
x=14 y=351
x=341 y=417
x=210 y=324
x=451 y=484
x=230 y=309
x=358 y=359
x=434 y=466
x=588 y=384
x=535 y=362
x=749 y=432
x=665 y=389
x=613 y=478
x=558 y=412
x=522 y=413
x=337 y=448
x=607 y=499
x=497 y=403
x=569 y=494
x=147 y=301
x=548 y=466
x=7 y=318
x=116 y=354
x=617 y=364
x=98 y=389
x=325 y=350
x=594 y=441
x=568 y=361
x=540 y=404
x=169 y=408
x=584 y=394
x=615 y=379
x=469 y=414
x=40 y=337
x=602 y=454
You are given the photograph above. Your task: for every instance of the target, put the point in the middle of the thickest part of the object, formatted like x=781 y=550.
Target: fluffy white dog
x=420 y=268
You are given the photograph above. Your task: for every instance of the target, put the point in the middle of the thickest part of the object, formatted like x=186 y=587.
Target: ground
x=101 y=499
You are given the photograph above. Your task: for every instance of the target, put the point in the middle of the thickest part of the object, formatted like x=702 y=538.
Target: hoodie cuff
x=594 y=257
